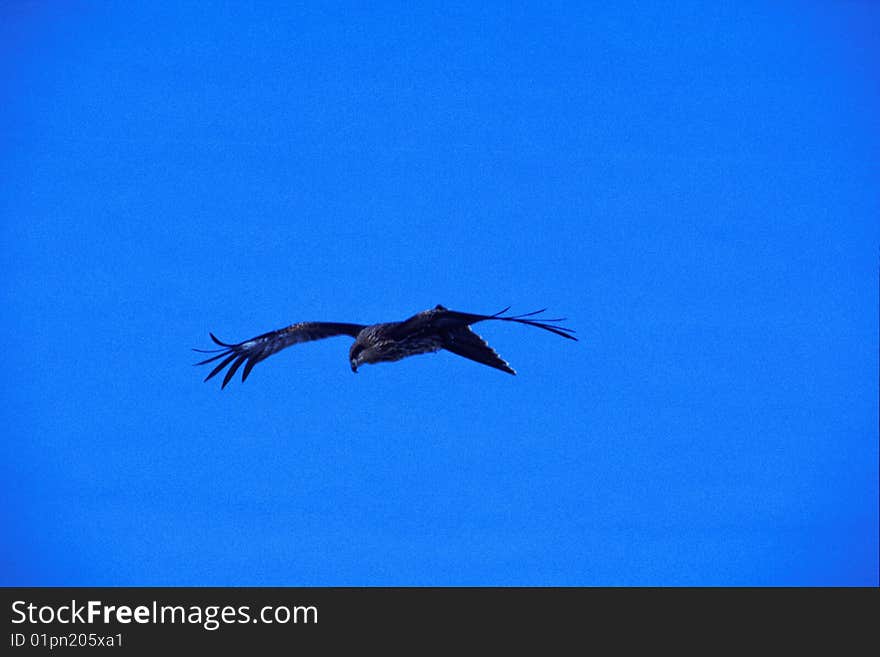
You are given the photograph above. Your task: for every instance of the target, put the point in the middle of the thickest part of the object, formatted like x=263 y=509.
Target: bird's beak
x=354 y=367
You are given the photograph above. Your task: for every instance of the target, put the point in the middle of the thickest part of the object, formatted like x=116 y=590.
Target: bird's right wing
x=250 y=352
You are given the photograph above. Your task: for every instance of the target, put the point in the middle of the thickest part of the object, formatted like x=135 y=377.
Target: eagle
x=425 y=332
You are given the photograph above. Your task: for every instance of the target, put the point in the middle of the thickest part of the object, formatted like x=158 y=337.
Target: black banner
x=124 y=619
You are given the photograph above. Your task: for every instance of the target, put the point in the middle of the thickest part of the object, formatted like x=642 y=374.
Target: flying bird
x=425 y=332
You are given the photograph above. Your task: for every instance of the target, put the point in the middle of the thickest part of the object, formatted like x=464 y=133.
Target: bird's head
x=355 y=356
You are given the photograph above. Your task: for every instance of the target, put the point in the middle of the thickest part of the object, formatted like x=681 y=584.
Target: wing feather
x=250 y=352
x=440 y=318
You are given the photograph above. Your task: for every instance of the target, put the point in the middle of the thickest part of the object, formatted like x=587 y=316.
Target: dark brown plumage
x=424 y=332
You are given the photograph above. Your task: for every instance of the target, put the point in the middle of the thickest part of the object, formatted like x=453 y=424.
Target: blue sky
x=695 y=187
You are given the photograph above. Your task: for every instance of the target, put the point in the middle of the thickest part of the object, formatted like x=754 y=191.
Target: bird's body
x=385 y=342
x=425 y=332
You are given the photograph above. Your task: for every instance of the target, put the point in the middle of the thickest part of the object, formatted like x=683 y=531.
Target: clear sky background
x=696 y=187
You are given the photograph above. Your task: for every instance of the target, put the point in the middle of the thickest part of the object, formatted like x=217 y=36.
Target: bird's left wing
x=250 y=352
x=440 y=319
